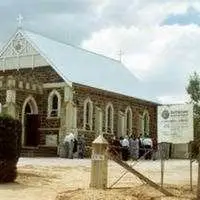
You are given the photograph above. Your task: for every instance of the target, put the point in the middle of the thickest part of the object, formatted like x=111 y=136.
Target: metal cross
x=20 y=19
x=121 y=53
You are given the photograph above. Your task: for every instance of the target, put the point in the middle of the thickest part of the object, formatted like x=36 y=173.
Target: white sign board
x=175 y=123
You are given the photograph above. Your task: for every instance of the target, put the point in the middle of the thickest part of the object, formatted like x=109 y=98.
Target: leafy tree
x=10 y=145
x=193 y=89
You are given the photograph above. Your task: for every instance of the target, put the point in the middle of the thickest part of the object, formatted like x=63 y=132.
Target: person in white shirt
x=125 y=148
x=69 y=145
x=148 y=144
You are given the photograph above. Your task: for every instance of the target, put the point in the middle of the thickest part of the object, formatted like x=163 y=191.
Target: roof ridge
x=74 y=46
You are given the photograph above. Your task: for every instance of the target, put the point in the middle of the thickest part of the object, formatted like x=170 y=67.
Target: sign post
x=162 y=163
x=99 y=169
x=175 y=125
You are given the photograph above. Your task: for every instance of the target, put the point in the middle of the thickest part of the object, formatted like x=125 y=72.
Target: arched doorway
x=30 y=123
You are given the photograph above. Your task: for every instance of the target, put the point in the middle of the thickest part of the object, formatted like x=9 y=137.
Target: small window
x=54 y=103
x=146 y=123
x=88 y=114
x=54 y=109
x=109 y=118
x=128 y=121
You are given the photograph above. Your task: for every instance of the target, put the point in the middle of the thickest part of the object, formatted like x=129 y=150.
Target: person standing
x=69 y=145
x=81 y=146
x=131 y=147
x=135 y=144
x=141 y=146
x=148 y=144
x=125 y=148
x=115 y=147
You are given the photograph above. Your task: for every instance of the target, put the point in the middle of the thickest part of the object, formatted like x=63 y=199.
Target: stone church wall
x=48 y=126
x=43 y=74
x=100 y=98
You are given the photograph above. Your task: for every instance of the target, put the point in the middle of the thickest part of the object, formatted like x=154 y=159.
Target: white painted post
x=99 y=162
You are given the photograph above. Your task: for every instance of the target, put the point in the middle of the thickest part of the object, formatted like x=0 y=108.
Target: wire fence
x=166 y=172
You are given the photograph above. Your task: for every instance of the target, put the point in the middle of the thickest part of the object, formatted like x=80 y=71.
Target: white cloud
x=162 y=56
x=179 y=99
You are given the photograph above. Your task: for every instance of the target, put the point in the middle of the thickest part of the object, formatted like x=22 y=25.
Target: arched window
x=109 y=118
x=145 y=123
x=88 y=114
x=128 y=114
x=28 y=109
x=54 y=104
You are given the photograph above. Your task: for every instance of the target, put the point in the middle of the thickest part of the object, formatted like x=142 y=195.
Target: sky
x=158 y=39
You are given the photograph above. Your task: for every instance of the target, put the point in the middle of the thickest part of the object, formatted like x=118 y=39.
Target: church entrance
x=31 y=123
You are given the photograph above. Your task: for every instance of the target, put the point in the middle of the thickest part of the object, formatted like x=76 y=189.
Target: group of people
x=132 y=147
x=127 y=147
x=74 y=146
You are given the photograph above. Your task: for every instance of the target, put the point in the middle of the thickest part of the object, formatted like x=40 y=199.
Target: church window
x=109 y=118
x=146 y=123
x=128 y=114
x=54 y=104
x=88 y=114
x=121 y=124
x=98 y=120
x=28 y=109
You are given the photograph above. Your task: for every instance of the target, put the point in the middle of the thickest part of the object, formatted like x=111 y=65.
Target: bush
x=194 y=148
x=10 y=146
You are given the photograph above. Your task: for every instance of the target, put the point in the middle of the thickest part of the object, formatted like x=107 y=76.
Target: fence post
x=198 y=182
x=99 y=162
x=162 y=162
x=190 y=156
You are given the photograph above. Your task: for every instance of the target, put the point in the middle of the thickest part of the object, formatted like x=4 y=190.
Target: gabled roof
x=78 y=65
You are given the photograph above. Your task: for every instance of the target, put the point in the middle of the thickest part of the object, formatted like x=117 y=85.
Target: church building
x=55 y=88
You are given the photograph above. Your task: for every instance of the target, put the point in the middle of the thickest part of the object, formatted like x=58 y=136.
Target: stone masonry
x=49 y=126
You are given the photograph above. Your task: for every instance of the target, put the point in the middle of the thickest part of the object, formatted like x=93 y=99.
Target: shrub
x=10 y=146
x=194 y=148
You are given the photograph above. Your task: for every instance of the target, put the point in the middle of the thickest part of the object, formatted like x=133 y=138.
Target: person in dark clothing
x=116 y=147
x=75 y=145
x=141 y=147
x=125 y=149
x=147 y=142
x=81 y=146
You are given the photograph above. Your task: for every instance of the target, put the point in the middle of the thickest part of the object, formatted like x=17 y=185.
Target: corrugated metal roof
x=81 y=66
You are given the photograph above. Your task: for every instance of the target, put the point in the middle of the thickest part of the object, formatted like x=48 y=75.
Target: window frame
x=128 y=130
x=50 y=104
x=88 y=121
x=109 y=106
x=147 y=128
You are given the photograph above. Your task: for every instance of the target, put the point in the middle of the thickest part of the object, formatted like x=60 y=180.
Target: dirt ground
x=66 y=179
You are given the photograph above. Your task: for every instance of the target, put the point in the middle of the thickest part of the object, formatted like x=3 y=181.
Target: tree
x=193 y=89
x=10 y=145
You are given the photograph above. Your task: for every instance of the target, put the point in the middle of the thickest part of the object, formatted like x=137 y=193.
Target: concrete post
x=99 y=168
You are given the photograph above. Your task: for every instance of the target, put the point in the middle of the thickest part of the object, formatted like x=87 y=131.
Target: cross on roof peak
x=19 y=20
x=120 y=54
